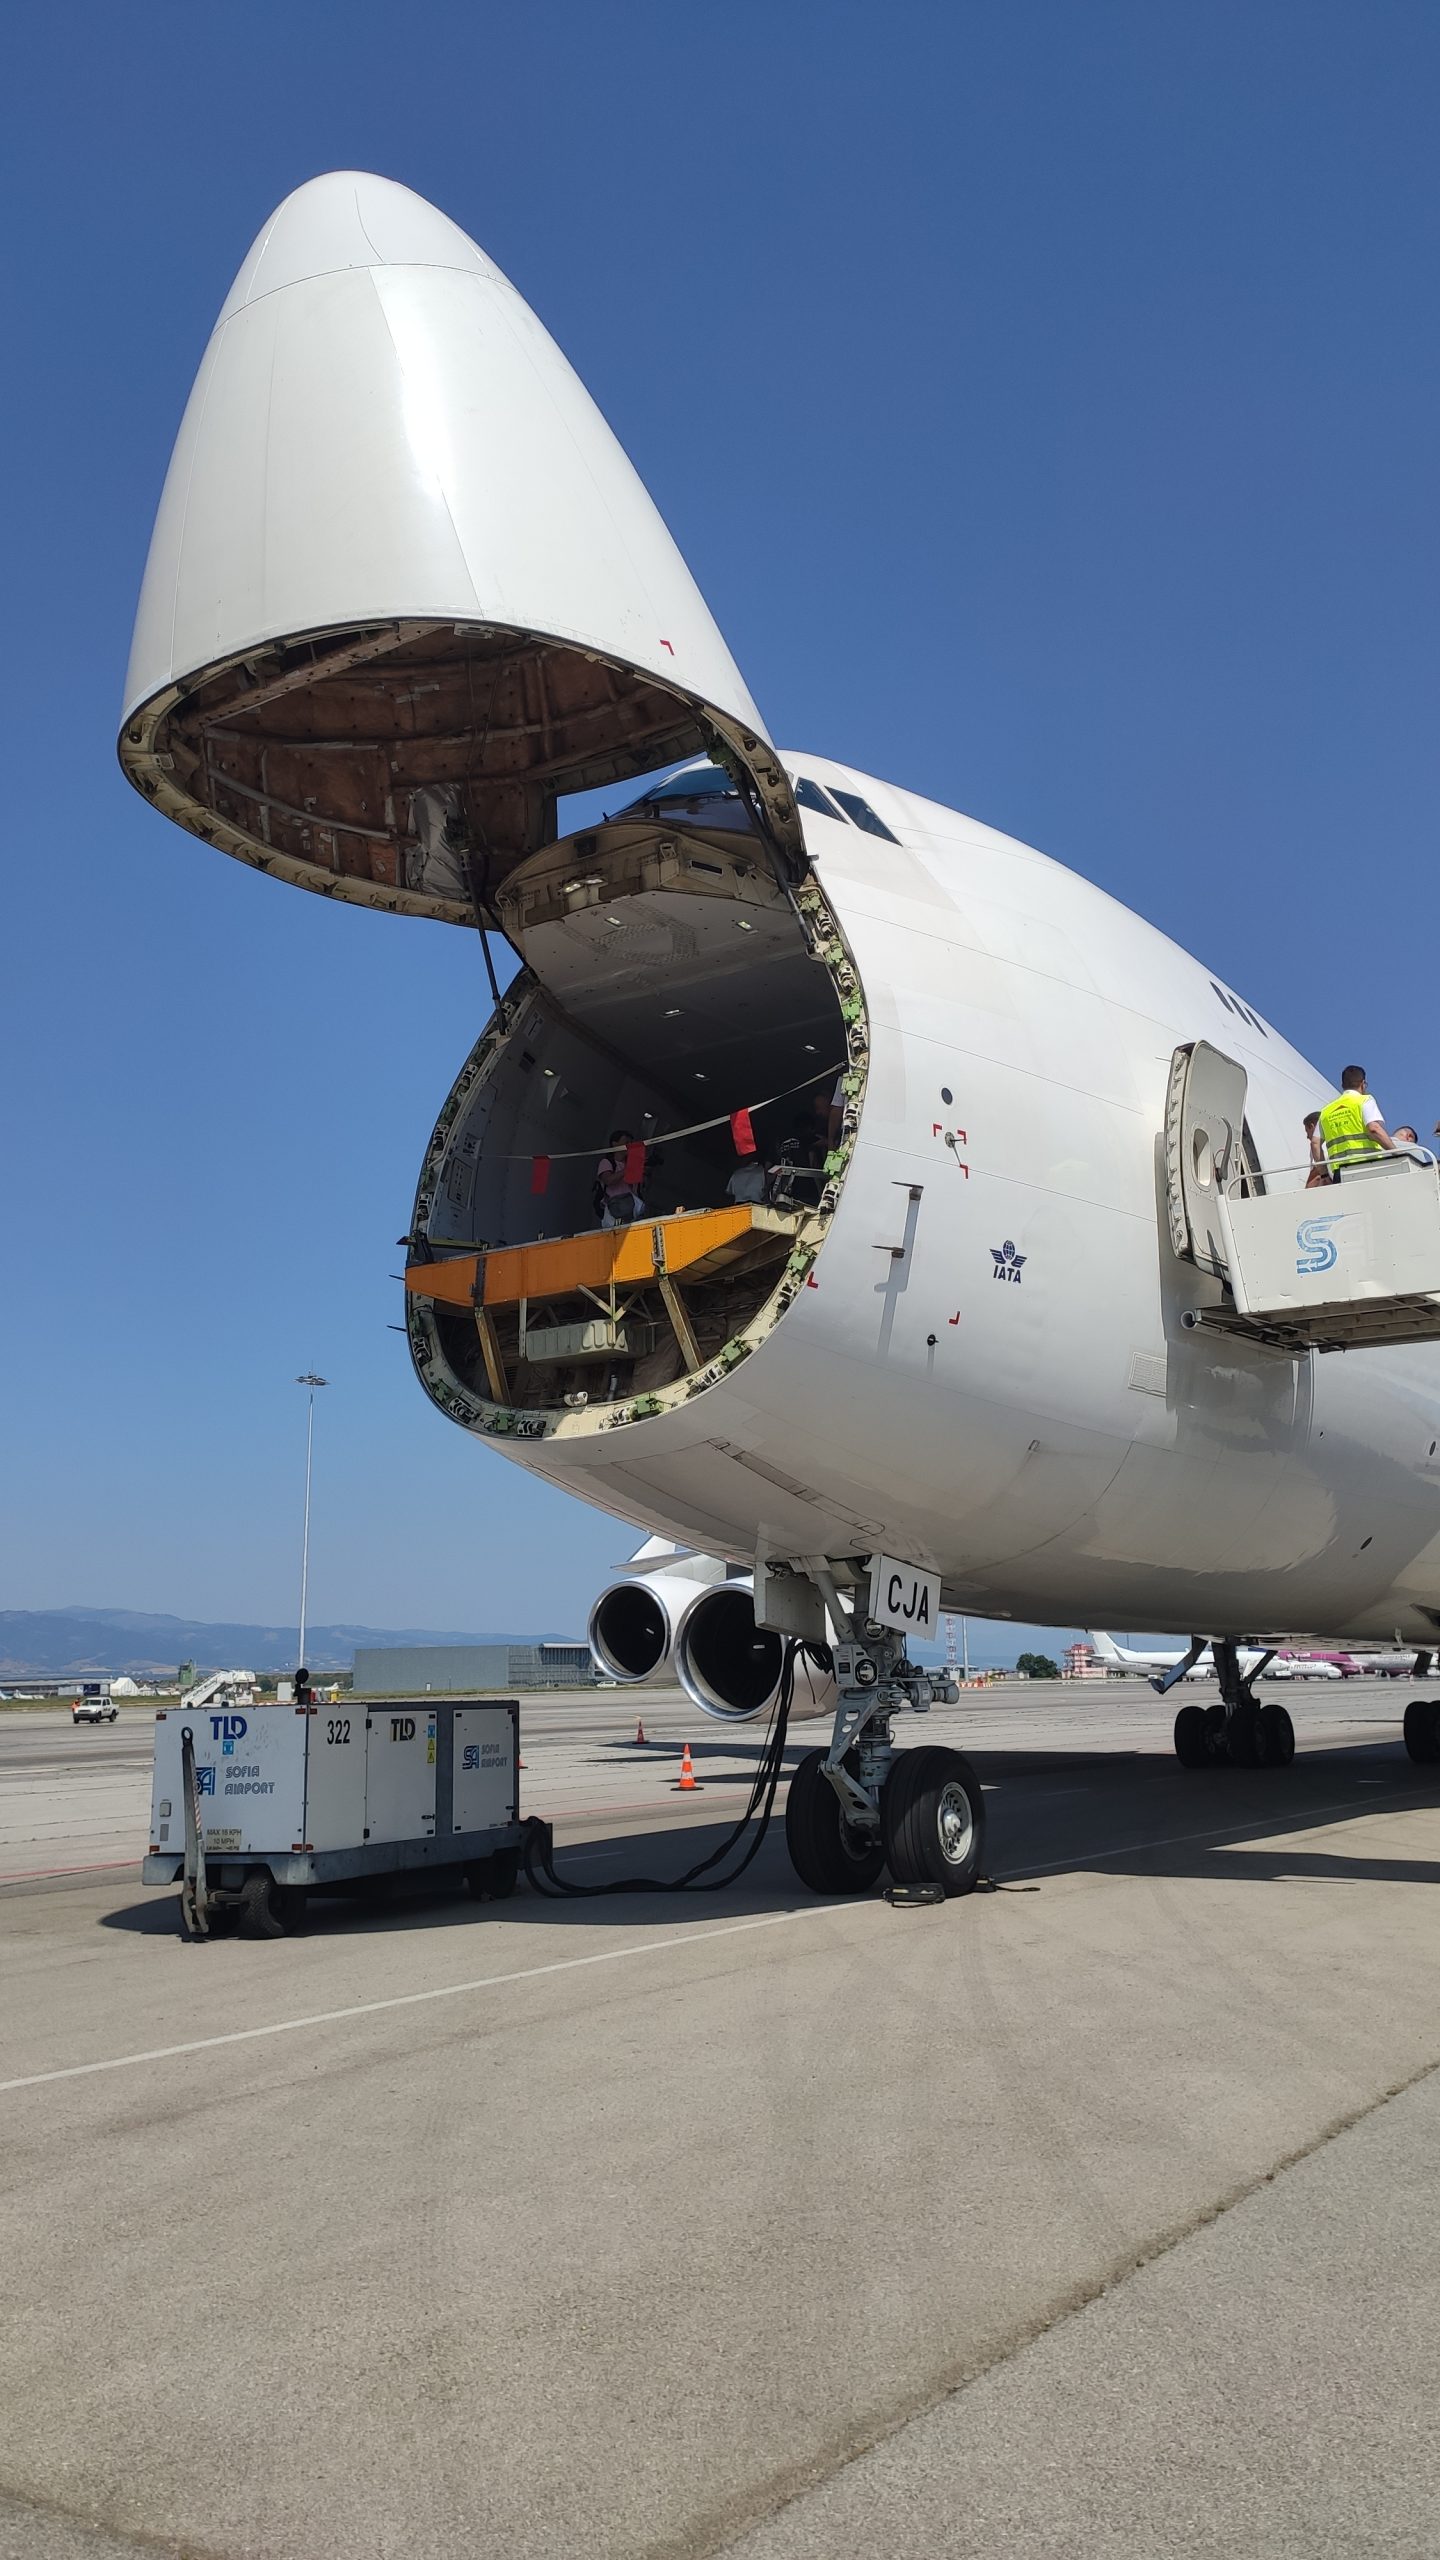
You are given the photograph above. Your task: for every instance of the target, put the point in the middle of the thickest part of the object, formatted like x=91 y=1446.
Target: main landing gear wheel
x=1200 y=1736
x=1422 y=1730
x=1246 y=1737
x=828 y=1853
x=1278 y=1735
x=1193 y=1747
x=932 y=1814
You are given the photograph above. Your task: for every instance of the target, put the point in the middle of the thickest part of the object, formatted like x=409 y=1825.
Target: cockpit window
x=809 y=795
x=864 y=816
x=681 y=790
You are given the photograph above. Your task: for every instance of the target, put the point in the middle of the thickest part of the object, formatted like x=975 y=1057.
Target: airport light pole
x=311 y=1382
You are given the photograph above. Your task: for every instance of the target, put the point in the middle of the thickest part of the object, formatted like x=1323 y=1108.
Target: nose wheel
x=829 y=1851
x=932 y=1819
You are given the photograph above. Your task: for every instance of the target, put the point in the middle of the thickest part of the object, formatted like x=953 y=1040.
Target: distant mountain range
x=61 y=1644
x=68 y=1644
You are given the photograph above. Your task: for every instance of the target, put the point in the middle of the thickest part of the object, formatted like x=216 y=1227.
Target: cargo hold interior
x=671 y=980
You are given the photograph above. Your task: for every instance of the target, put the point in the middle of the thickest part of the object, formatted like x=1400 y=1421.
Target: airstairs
x=1352 y=1265
x=223 y=1688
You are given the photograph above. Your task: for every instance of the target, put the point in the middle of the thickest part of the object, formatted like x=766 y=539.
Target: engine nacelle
x=730 y=1668
x=634 y=1624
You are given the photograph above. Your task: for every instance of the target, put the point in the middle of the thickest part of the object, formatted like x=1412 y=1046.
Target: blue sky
x=1045 y=399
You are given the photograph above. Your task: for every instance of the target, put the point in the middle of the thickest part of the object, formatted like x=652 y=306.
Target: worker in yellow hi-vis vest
x=1352 y=1127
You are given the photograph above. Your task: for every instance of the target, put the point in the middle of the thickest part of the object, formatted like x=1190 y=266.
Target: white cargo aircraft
x=1163 y=1668
x=1186 y=1666
x=994 y=1351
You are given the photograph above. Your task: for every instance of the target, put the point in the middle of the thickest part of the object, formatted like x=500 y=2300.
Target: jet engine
x=730 y=1668
x=634 y=1624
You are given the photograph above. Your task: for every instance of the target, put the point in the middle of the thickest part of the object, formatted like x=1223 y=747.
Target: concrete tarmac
x=1091 y=2216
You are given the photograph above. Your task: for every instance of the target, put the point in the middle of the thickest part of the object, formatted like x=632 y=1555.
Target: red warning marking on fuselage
x=812 y=1282
x=955 y=1318
x=666 y=644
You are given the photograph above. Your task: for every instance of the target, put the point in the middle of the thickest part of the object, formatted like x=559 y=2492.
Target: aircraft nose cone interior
x=405 y=589
x=404 y=594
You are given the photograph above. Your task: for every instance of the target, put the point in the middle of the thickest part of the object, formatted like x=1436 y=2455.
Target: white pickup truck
x=94 y=1704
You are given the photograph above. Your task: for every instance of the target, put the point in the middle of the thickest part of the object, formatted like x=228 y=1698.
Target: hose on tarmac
x=701 y=1878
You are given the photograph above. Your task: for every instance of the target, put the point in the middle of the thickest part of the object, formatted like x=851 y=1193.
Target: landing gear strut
x=862 y=1805
x=1246 y=1731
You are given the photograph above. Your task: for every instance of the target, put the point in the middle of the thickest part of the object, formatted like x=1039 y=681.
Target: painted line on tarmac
x=621 y=1955
x=417 y=1999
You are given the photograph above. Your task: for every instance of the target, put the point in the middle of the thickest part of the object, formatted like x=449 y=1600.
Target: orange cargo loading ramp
x=693 y=1243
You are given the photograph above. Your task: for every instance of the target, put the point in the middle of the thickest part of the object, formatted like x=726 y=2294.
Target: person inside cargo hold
x=617 y=1179
x=748 y=1182
x=816 y=1129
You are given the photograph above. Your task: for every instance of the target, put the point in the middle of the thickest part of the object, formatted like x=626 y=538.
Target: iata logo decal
x=1008 y=1263
x=1318 y=1249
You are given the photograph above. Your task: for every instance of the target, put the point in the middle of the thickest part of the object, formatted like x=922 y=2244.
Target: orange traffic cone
x=687 y=1778
x=639 y=1730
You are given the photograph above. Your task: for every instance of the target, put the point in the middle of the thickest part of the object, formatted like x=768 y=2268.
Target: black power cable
x=539 y=1849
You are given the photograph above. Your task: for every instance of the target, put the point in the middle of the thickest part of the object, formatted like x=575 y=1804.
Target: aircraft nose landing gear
x=862 y=1805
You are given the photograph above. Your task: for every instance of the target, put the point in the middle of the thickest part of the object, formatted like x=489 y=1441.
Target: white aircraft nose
x=401 y=564
x=350 y=218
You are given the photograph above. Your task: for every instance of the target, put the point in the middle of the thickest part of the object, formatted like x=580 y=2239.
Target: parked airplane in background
x=1131 y=1658
x=992 y=1346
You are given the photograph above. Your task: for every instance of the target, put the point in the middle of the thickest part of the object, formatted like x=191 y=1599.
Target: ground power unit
x=254 y=1807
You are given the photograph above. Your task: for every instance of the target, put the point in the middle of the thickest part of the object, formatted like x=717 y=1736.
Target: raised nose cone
x=351 y=219
x=404 y=586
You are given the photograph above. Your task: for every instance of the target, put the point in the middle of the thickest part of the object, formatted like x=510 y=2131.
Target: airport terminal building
x=463 y=1670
